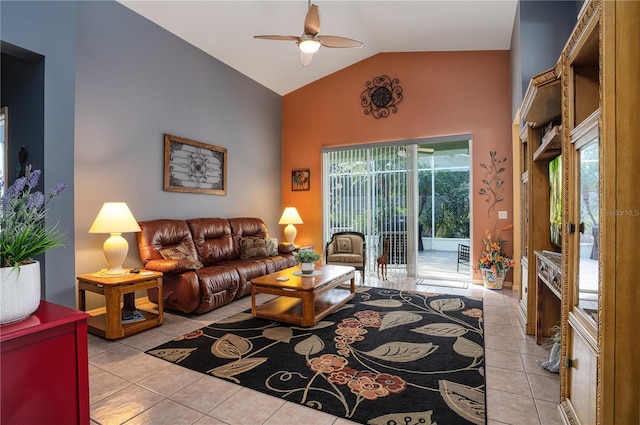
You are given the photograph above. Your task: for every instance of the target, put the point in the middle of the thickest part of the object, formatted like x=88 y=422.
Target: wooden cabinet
x=45 y=368
x=599 y=82
x=540 y=142
x=601 y=216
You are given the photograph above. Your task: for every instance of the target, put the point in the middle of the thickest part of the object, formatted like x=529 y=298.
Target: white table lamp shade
x=290 y=217
x=115 y=218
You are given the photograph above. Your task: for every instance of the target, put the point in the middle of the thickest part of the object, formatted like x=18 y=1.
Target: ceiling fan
x=310 y=42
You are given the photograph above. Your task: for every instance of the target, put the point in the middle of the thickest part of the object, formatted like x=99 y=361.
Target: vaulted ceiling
x=225 y=30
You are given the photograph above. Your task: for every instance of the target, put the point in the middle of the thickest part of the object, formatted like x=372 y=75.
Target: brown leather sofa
x=208 y=262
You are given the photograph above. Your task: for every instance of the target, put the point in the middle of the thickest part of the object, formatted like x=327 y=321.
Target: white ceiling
x=225 y=30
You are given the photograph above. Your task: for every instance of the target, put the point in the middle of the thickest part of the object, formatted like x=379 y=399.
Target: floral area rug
x=387 y=357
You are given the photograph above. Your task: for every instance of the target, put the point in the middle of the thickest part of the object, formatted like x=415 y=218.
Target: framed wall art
x=195 y=167
x=300 y=179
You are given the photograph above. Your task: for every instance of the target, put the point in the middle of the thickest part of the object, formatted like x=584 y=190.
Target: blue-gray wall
x=49 y=29
x=131 y=82
x=541 y=30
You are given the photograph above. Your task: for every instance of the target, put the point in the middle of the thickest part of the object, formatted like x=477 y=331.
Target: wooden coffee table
x=303 y=300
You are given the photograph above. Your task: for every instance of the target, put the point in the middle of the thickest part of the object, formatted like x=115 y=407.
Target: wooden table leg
x=113 y=313
x=308 y=308
x=82 y=297
x=129 y=303
x=253 y=300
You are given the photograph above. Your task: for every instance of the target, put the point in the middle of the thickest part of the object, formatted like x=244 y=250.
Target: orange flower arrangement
x=493 y=257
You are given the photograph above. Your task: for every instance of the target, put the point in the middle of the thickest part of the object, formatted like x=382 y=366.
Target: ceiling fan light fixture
x=309 y=45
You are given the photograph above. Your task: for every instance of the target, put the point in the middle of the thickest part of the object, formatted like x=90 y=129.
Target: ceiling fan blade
x=335 y=41
x=278 y=37
x=312 y=20
x=305 y=58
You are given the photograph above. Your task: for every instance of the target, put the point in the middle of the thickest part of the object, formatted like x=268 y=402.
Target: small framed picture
x=195 y=167
x=300 y=179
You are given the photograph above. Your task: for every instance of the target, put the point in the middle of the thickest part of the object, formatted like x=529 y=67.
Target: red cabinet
x=44 y=368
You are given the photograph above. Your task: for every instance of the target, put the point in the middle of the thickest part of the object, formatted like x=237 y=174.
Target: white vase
x=307 y=268
x=19 y=292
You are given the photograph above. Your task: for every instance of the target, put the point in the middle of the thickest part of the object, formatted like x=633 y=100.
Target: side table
x=116 y=291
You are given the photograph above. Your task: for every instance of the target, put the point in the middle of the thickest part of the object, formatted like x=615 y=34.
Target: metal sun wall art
x=194 y=167
x=381 y=96
x=300 y=179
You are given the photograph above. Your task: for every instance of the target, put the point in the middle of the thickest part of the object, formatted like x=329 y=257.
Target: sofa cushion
x=247 y=270
x=180 y=252
x=343 y=244
x=278 y=262
x=163 y=233
x=344 y=258
x=218 y=286
x=213 y=240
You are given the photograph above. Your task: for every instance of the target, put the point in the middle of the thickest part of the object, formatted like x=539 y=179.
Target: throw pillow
x=253 y=248
x=344 y=244
x=180 y=252
x=272 y=247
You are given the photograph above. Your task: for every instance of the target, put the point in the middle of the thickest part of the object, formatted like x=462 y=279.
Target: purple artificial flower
x=17 y=186
x=55 y=191
x=33 y=179
x=6 y=198
x=35 y=201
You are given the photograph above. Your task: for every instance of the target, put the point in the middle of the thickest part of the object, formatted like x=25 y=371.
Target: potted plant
x=23 y=235
x=494 y=263
x=306 y=258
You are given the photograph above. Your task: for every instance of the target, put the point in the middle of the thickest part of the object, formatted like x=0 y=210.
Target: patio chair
x=347 y=249
x=464 y=256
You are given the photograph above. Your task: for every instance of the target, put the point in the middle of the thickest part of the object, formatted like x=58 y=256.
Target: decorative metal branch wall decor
x=195 y=167
x=381 y=96
x=493 y=190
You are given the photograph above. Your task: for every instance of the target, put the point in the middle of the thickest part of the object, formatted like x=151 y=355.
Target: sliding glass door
x=415 y=195
x=371 y=190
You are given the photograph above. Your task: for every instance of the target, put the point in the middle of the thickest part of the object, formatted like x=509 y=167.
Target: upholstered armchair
x=347 y=249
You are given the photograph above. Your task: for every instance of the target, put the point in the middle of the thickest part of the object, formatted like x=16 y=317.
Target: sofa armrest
x=286 y=247
x=171 y=266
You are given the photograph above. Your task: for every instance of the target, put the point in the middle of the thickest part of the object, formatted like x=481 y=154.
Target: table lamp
x=290 y=217
x=115 y=218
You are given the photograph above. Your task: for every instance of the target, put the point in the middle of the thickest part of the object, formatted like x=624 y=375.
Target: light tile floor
x=129 y=387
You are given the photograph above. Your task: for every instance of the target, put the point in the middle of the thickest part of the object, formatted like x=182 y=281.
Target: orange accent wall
x=444 y=93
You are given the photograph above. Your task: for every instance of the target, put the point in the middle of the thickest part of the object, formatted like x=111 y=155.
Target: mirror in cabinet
x=585 y=141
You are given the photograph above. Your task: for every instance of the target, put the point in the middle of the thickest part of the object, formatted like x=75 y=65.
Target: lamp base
x=290 y=233
x=115 y=251
x=115 y=271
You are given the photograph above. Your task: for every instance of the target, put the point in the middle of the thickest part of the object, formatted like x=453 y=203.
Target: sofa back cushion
x=156 y=235
x=248 y=227
x=213 y=240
